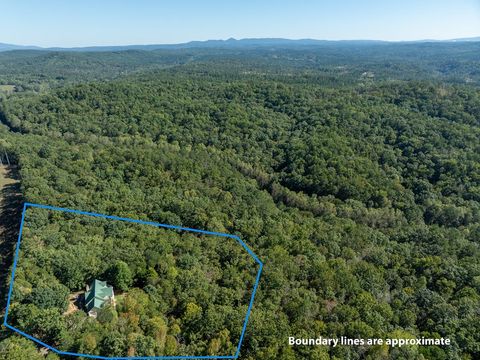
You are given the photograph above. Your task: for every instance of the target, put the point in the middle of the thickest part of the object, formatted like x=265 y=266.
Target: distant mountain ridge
x=477 y=38
x=8 y=47
x=229 y=43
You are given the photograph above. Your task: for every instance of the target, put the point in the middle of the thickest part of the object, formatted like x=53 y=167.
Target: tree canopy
x=361 y=195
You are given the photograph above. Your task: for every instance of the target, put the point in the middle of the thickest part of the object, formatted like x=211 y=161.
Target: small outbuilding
x=98 y=295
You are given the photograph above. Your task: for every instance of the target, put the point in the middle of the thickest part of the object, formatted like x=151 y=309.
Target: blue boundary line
x=151 y=223
x=15 y=260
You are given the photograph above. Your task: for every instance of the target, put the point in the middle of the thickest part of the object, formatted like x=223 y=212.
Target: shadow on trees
x=10 y=217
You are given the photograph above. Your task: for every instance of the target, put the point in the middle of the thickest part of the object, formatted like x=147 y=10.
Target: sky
x=70 y=23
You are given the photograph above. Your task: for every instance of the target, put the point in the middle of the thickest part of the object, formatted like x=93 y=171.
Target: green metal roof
x=97 y=295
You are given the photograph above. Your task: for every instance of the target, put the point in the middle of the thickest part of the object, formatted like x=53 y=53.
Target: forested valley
x=355 y=179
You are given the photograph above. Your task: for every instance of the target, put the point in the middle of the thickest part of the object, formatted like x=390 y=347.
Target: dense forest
x=355 y=179
x=331 y=63
x=177 y=293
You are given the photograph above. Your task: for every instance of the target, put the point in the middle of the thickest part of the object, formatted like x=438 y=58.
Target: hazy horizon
x=240 y=39
x=56 y=23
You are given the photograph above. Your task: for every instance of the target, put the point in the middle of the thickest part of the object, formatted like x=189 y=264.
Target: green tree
x=114 y=344
x=120 y=275
x=54 y=296
x=16 y=348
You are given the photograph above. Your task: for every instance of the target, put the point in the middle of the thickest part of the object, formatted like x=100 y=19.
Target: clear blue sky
x=116 y=22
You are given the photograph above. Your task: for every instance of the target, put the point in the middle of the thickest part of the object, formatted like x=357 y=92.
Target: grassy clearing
x=4 y=177
x=7 y=88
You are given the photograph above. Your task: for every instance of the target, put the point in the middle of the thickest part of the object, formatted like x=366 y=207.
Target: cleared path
x=11 y=203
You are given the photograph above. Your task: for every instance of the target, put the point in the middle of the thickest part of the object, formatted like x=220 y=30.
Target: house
x=98 y=295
